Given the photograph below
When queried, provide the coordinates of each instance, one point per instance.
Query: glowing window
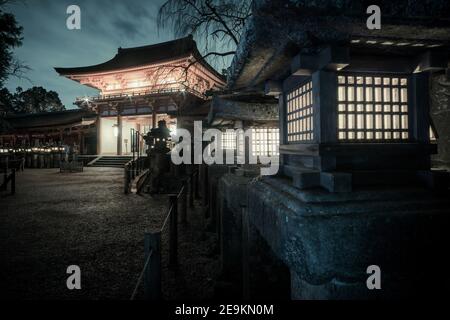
(372, 108)
(300, 114)
(229, 140)
(265, 141)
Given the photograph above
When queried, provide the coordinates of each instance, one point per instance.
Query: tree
(37, 99)
(216, 24)
(6, 107)
(33, 100)
(10, 38)
(6, 102)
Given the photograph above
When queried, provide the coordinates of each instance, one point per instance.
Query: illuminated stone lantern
(355, 187)
(352, 119)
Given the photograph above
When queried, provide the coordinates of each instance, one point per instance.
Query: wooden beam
(356, 149)
(432, 61)
(273, 88)
(380, 63)
(306, 149)
(331, 58)
(304, 64)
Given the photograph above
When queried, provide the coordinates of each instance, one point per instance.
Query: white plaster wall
(126, 127)
(108, 141)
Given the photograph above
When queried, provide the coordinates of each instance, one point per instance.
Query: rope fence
(141, 276)
(151, 272)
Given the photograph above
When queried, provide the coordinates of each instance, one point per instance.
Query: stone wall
(440, 114)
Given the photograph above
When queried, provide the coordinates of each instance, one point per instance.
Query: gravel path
(56, 220)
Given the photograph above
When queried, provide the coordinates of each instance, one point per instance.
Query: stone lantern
(355, 120)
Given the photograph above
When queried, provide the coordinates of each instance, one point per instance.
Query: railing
(141, 93)
(137, 164)
(151, 273)
(9, 169)
(133, 169)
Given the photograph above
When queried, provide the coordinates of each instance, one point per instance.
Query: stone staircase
(110, 161)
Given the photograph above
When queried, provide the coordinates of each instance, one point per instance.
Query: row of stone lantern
(36, 157)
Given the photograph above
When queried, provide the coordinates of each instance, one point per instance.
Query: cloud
(105, 26)
(127, 28)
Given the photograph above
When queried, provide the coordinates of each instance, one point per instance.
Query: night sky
(105, 26)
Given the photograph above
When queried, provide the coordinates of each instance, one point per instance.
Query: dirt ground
(56, 220)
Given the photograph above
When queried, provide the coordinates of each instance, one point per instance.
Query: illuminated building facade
(142, 85)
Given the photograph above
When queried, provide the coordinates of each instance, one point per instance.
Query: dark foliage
(10, 38)
(33, 100)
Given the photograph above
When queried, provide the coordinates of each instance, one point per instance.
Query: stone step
(111, 161)
(302, 178)
(107, 166)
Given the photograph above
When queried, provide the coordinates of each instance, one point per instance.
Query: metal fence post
(173, 237)
(205, 191)
(152, 274)
(196, 193)
(13, 181)
(127, 179)
(5, 175)
(184, 202)
(191, 191)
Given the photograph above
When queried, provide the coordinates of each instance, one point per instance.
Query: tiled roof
(48, 119)
(141, 56)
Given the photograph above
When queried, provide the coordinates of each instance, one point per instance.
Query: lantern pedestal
(329, 240)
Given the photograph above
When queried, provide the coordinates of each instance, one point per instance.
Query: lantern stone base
(305, 179)
(324, 242)
(340, 167)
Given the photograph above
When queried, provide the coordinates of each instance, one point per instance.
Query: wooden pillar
(419, 118)
(324, 85)
(154, 117)
(81, 141)
(99, 133)
(119, 136)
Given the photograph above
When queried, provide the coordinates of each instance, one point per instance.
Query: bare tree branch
(222, 22)
(19, 70)
(215, 24)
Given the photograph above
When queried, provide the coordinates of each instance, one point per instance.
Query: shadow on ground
(56, 220)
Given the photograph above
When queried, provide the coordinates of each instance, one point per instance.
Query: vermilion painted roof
(141, 56)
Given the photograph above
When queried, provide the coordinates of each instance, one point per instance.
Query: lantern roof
(278, 30)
